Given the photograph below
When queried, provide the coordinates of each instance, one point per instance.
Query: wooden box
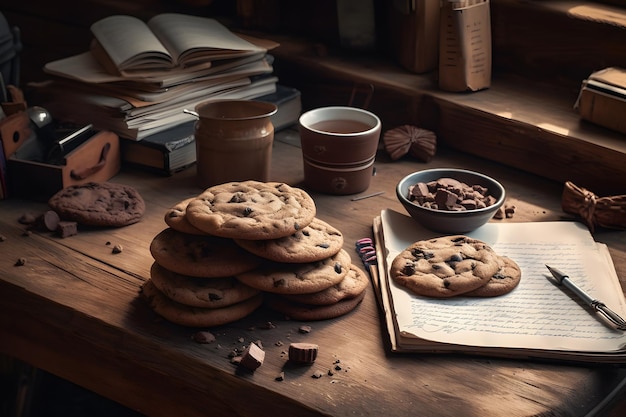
(97, 159)
(602, 98)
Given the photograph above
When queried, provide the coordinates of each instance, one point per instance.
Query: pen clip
(609, 314)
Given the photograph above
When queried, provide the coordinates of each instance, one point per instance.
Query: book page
(194, 39)
(537, 314)
(130, 43)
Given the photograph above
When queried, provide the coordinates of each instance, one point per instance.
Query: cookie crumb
(27, 218)
(203, 337)
(117, 249)
(304, 329)
(280, 377)
(317, 374)
(20, 262)
(3, 238)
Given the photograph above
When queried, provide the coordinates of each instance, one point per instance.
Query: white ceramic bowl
(451, 222)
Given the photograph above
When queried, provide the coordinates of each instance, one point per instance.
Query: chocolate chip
(247, 211)
(455, 258)
(338, 268)
(409, 269)
(214, 297)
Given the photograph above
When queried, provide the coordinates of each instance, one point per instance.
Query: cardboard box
(602, 99)
(414, 33)
(97, 159)
(465, 46)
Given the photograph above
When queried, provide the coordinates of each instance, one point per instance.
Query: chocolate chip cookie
(200, 292)
(195, 316)
(282, 278)
(353, 284)
(104, 204)
(200, 255)
(446, 266)
(251, 210)
(315, 242)
(309, 312)
(176, 218)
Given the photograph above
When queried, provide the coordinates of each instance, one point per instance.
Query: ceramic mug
(233, 141)
(339, 147)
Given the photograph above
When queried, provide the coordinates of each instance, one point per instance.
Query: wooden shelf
(518, 122)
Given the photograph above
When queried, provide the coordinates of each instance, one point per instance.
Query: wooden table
(74, 309)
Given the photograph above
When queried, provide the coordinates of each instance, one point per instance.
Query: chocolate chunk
(303, 352)
(48, 221)
(66, 229)
(252, 357)
(445, 198)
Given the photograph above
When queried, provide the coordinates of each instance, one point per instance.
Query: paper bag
(465, 45)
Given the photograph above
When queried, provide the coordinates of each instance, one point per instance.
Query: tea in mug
(341, 126)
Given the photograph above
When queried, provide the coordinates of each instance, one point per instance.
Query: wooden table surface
(74, 309)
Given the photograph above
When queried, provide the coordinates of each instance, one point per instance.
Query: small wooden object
(98, 159)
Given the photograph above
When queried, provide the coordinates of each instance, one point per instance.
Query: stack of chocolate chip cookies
(238, 244)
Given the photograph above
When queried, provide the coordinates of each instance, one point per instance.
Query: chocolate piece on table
(252, 357)
(66, 229)
(303, 352)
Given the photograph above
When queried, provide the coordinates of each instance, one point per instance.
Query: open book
(170, 40)
(538, 319)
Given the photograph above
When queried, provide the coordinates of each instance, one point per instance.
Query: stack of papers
(137, 78)
(538, 319)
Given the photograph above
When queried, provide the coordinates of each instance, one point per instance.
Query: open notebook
(538, 319)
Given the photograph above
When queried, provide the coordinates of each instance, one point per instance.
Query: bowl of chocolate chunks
(450, 200)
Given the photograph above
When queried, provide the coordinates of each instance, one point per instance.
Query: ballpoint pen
(597, 305)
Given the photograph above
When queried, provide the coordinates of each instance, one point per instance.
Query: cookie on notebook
(315, 242)
(353, 284)
(195, 316)
(200, 292)
(200, 255)
(251, 210)
(176, 219)
(502, 282)
(308, 312)
(445, 266)
(99, 204)
(283, 278)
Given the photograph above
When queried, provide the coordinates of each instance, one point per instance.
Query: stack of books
(137, 77)
(174, 149)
